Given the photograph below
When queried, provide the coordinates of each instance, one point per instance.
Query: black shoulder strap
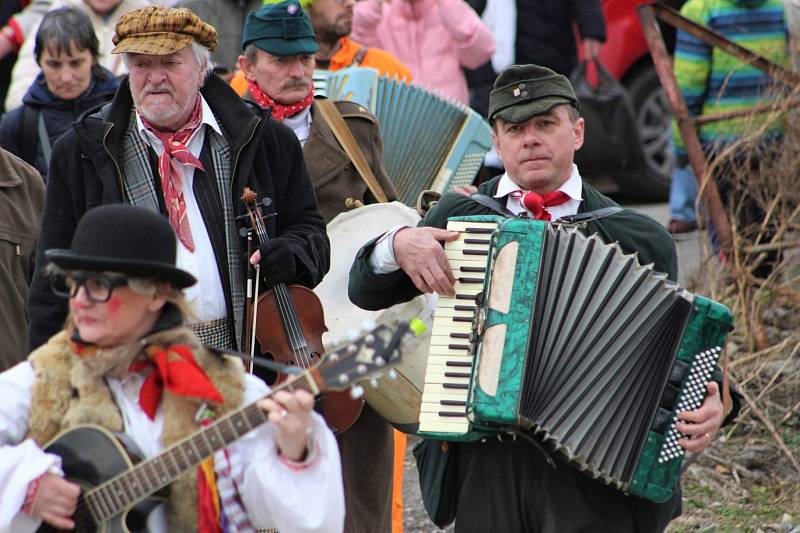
(490, 203)
(30, 120)
(589, 216)
(359, 57)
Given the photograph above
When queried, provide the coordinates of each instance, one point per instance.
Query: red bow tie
(536, 203)
(175, 368)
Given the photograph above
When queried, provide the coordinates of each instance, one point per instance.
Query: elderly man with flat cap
(507, 485)
(278, 62)
(177, 140)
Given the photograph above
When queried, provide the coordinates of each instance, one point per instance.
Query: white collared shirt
(300, 124)
(206, 297)
(382, 257)
(573, 188)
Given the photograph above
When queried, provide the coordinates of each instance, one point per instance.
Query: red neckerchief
(174, 367)
(174, 154)
(536, 203)
(279, 111)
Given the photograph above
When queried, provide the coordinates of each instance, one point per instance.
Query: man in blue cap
(278, 62)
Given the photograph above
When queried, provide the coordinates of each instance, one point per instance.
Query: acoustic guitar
(118, 494)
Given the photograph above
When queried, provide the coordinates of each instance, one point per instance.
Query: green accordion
(567, 339)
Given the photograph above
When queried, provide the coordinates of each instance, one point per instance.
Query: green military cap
(282, 29)
(523, 91)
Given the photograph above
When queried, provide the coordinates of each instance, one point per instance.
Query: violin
(290, 337)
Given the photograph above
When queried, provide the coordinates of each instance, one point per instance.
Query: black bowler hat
(126, 239)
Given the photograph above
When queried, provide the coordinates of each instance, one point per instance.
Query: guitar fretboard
(118, 493)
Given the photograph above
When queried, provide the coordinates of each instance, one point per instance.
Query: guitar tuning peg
(352, 334)
(374, 383)
(356, 391)
(369, 325)
(392, 374)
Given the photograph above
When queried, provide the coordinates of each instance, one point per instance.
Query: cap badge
(516, 92)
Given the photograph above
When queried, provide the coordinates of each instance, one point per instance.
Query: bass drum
(397, 400)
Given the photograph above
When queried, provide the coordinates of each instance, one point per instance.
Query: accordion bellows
(429, 142)
(581, 347)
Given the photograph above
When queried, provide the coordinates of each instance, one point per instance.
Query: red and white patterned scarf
(174, 154)
(279, 111)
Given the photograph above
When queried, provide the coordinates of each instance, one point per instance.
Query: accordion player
(508, 485)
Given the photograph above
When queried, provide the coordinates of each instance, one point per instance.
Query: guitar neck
(117, 494)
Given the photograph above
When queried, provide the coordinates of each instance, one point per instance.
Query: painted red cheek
(114, 303)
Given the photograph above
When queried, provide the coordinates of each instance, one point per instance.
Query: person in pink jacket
(434, 38)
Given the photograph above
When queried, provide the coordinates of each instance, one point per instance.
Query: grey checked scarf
(139, 190)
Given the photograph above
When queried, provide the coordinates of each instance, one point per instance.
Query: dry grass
(749, 479)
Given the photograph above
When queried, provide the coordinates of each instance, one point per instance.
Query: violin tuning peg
(356, 391)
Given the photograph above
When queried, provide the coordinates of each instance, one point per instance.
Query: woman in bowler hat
(125, 362)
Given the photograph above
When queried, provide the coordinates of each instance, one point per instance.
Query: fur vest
(71, 391)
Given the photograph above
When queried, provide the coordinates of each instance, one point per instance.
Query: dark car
(626, 56)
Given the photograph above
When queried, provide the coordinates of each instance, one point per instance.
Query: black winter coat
(544, 31)
(58, 116)
(265, 155)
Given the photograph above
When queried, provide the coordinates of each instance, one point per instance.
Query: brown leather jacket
(21, 202)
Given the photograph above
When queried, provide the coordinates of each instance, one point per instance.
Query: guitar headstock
(369, 355)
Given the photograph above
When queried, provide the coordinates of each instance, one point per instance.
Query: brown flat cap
(158, 30)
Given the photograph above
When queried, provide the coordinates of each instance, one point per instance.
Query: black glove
(277, 262)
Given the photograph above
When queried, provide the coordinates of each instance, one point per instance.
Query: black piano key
(470, 280)
(458, 346)
(456, 403)
(451, 414)
(456, 374)
(484, 231)
(474, 269)
(477, 241)
(461, 386)
(475, 252)
(465, 307)
(462, 364)
(462, 319)
(460, 335)
(472, 297)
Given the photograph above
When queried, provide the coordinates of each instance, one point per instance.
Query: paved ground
(415, 520)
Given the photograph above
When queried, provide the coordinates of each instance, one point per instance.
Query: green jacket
(633, 231)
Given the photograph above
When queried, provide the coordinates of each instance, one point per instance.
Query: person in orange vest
(332, 21)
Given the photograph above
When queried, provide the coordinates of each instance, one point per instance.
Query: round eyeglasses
(98, 287)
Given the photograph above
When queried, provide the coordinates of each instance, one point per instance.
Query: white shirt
(300, 124)
(206, 297)
(274, 495)
(573, 188)
(382, 258)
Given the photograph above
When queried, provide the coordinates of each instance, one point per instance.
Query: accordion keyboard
(449, 367)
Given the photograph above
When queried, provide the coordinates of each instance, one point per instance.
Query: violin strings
(282, 298)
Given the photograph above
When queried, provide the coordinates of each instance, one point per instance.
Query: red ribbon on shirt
(536, 203)
(175, 368)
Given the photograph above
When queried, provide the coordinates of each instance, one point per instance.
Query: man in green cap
(278, 62)
(507, 485)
